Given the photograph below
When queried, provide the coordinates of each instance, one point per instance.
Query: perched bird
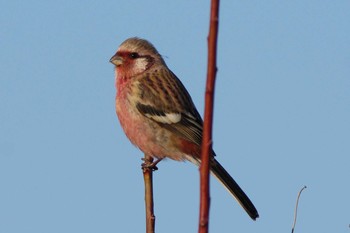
(157, 113)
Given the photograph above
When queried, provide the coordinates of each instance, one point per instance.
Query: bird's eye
(134, 55)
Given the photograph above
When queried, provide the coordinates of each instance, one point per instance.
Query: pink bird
(157, 113)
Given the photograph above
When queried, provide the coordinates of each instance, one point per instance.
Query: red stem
(208, 119)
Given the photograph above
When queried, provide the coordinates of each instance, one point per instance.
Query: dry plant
(208, 118)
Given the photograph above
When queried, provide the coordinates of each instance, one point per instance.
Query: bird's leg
(149, 164)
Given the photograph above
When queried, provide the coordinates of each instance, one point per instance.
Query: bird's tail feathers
(230, 184)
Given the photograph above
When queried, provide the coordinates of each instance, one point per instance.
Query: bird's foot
(148, 164)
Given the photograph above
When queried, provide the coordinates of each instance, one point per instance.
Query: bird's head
(134, 56)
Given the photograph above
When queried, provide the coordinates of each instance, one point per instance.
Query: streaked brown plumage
(158, 114)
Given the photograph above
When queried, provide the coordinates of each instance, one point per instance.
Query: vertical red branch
(208, 118)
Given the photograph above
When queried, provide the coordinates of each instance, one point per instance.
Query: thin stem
(148, 180)
(208, 119)
(296, 209)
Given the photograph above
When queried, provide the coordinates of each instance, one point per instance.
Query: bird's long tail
(230, 184)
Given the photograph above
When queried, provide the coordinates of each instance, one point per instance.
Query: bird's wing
(183, 124)
(164, 99)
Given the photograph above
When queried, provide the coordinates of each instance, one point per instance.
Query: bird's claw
(148, 164)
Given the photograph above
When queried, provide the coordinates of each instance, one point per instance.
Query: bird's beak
(116, 60)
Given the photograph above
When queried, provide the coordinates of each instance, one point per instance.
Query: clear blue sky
(282, 115)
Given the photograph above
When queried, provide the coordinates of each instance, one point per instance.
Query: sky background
(282, 115)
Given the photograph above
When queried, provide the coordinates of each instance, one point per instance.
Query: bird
(158, 115)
